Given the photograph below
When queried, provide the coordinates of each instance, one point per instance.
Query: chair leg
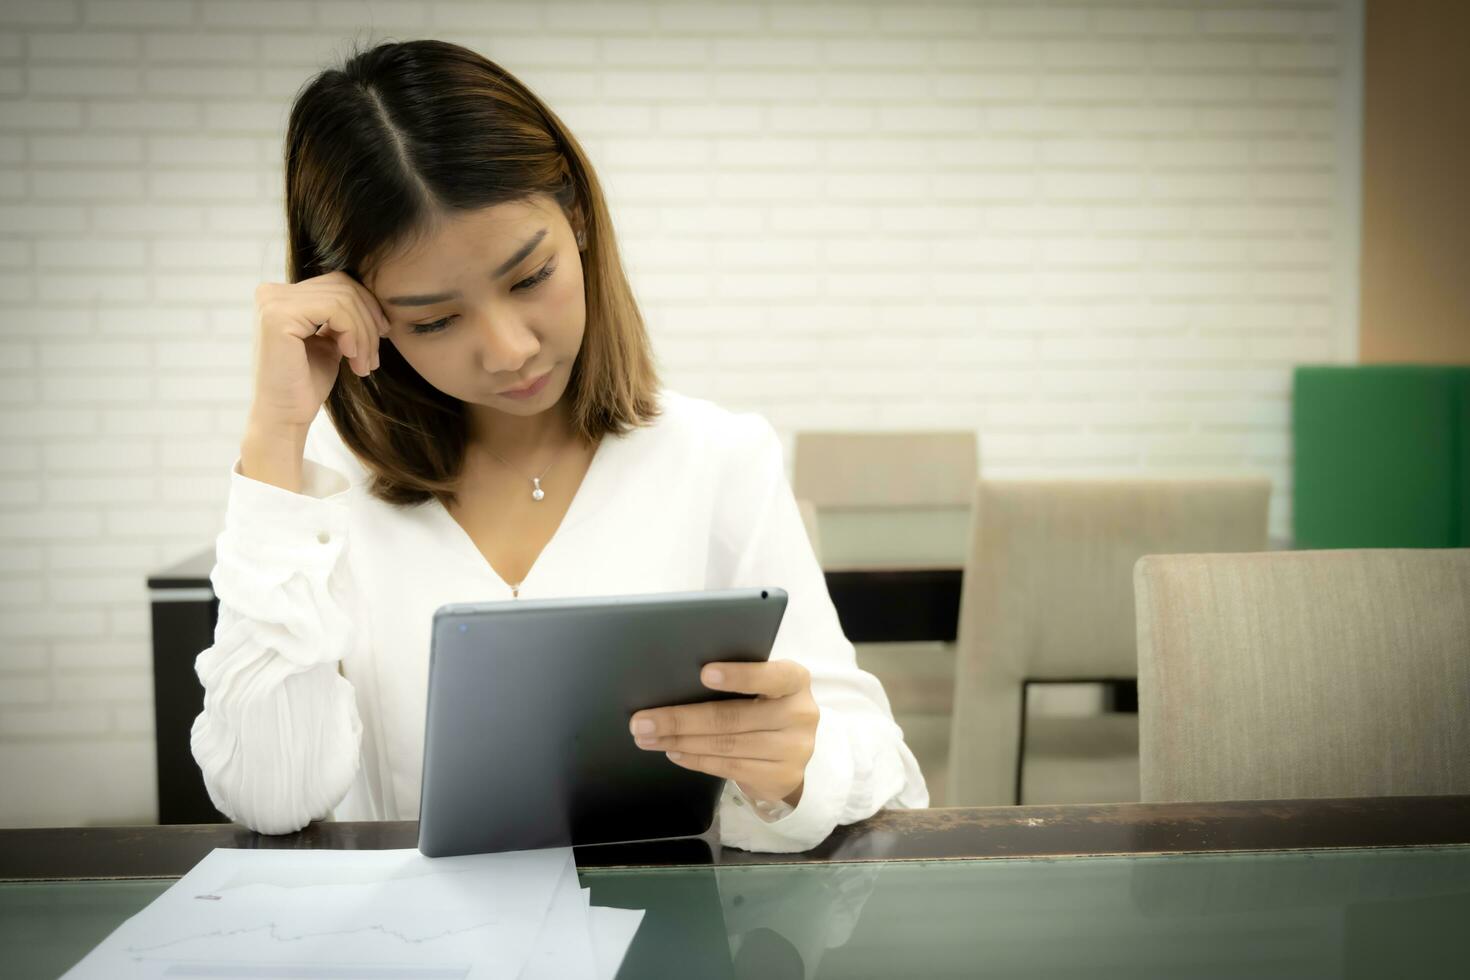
(1121, 697)
(1021, 740)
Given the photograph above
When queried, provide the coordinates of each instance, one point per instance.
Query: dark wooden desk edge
(73, 853)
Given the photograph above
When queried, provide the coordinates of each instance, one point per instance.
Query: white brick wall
(1100, 231)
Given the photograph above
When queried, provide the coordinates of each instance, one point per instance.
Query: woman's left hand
(762, 743)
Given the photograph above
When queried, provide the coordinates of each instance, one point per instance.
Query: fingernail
(713, 676)
(645, 741)
(642, 727)
(676, 756)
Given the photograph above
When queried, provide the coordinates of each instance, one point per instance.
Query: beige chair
(1304, 674)
(891, 500)
(1048, 596)
(887, 499)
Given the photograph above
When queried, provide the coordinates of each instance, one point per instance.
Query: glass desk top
(1358, 912)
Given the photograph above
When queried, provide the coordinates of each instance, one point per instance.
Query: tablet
(526, 740)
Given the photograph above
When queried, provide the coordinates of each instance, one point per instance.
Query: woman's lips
(533, 389)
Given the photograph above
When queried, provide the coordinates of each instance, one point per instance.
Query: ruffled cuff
(275, 560)
(264, 519)
(828, 781)
(320, 488)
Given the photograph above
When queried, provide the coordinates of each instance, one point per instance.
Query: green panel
(1380, 456)
(1462, 453)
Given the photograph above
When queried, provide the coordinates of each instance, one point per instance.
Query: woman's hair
(378, 151)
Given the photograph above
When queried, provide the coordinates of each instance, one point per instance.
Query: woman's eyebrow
(509, 264)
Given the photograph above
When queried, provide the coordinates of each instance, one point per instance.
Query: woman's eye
(431, 327)
(530, 282)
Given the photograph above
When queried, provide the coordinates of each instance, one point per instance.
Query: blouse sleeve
(278, 740)
(860, 763)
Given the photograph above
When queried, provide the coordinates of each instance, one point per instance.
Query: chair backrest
(888, 498)
(1048, 595)
(1304, 674)
(885, 469)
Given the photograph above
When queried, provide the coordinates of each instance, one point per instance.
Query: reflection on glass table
(1398, 912)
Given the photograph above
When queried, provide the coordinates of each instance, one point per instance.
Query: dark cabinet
(184, 613)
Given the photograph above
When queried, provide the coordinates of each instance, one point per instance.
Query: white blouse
(316, 685)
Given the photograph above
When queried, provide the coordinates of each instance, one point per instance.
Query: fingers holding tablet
(772, 678)
(764, 742)
(767, 746)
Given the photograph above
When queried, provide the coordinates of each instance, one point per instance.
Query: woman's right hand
(296, 358)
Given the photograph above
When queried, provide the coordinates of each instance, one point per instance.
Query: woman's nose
(507, 346)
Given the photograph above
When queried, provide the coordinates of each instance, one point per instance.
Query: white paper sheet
(579, 940)
(564, 945)
(362, 915)
(612, 934)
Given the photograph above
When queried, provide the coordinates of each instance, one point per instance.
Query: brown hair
(377, 150)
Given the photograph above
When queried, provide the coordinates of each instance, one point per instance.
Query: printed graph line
(338, 879)
(307, 971)
(273, 932)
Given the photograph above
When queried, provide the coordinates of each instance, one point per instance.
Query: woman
(493, 429)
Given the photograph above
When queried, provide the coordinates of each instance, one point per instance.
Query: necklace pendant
(537, 493)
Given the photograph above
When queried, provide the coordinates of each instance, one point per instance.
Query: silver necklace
(537, 493)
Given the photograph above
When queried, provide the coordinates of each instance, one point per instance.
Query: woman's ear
(571, 205)
(579, 227)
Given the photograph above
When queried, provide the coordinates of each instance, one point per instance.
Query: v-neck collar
(574, 514)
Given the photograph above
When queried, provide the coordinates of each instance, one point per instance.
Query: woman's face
(491, 302)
